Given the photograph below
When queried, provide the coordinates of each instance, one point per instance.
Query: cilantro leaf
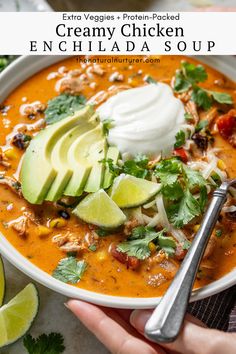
(201, 98)
(69, 270)
(183, 212)
(63, 106)
(137, 167)
(113, 168)
(180, 139)
(107, 124)
(181, 84)
(203, 198)
(137, 245)
(167, 244)
(194, 178)
(138, 248)
(221, 97)
(194, 73)
(201, 125)
(188, 75)
(168, 170)
(172, 191)
(52, 343)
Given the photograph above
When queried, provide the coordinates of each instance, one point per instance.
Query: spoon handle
(165, 323)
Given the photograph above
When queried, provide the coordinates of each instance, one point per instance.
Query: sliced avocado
(113, 154)
(97, 154)
(82, 156)
(60, 161)
(37, 172)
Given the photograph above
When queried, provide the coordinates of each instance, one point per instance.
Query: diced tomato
(227, 124)
(180, 152)
(131, 262)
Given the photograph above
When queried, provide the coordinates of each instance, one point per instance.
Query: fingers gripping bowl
(115, 205)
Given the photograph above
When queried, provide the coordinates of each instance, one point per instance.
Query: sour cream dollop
(145, 119)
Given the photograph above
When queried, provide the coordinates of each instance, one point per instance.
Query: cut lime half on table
(17, 316)
(2, 282)
(129, 191)
(99, 209)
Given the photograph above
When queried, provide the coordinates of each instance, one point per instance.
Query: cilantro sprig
(179, 182)
(137, 245)
(63, 106)
(180, 139)
(188, 77)
(137, 167)
(69, 270)
(52, 343)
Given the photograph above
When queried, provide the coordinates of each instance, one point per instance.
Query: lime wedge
(128, 191)
(17, 316)
(99, 209)
(2, 282)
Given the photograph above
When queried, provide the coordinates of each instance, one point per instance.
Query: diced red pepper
(227, 124)
(180, 152)
(131, 262)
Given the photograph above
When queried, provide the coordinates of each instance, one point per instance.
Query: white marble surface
(53, 316)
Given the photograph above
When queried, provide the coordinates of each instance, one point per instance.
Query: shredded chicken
(71, 85)
(210, 247)
(74, 242)
(20, 225)
(32, 109)
(12, 184)
(3, 160)
(130, 225)
(191, 108)
(116, 76)
(185, 96)
(102, 96)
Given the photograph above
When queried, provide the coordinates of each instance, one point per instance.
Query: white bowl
(14, 75)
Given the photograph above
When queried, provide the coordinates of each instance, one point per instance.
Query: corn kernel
(43, 231)
(57, 223)
(101, 256)
(10, 154)
(152, 247)
(221, 165)
(196, 227)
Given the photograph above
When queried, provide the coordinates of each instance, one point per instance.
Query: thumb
(194, 337)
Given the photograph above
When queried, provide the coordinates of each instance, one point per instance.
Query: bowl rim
(17, 72)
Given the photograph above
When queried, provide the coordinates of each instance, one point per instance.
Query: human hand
(121, 331)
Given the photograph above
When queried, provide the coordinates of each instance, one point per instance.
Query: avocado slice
(83, 156)
(97, 154)
(37, 171)
(59, 158)
(113, 154)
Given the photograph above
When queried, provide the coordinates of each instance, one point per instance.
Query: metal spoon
(165, 323)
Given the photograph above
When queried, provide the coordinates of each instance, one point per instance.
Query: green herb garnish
(188, 77)
(69, 270)
(63, 106)
(180, 139)
(137, 245)
(137, 167)
(52, 343)
(178, 182)
(218, 233)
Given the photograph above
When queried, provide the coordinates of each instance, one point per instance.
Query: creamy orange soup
(105, 273)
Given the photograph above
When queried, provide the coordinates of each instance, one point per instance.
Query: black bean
(200, 140)
(64, 214)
